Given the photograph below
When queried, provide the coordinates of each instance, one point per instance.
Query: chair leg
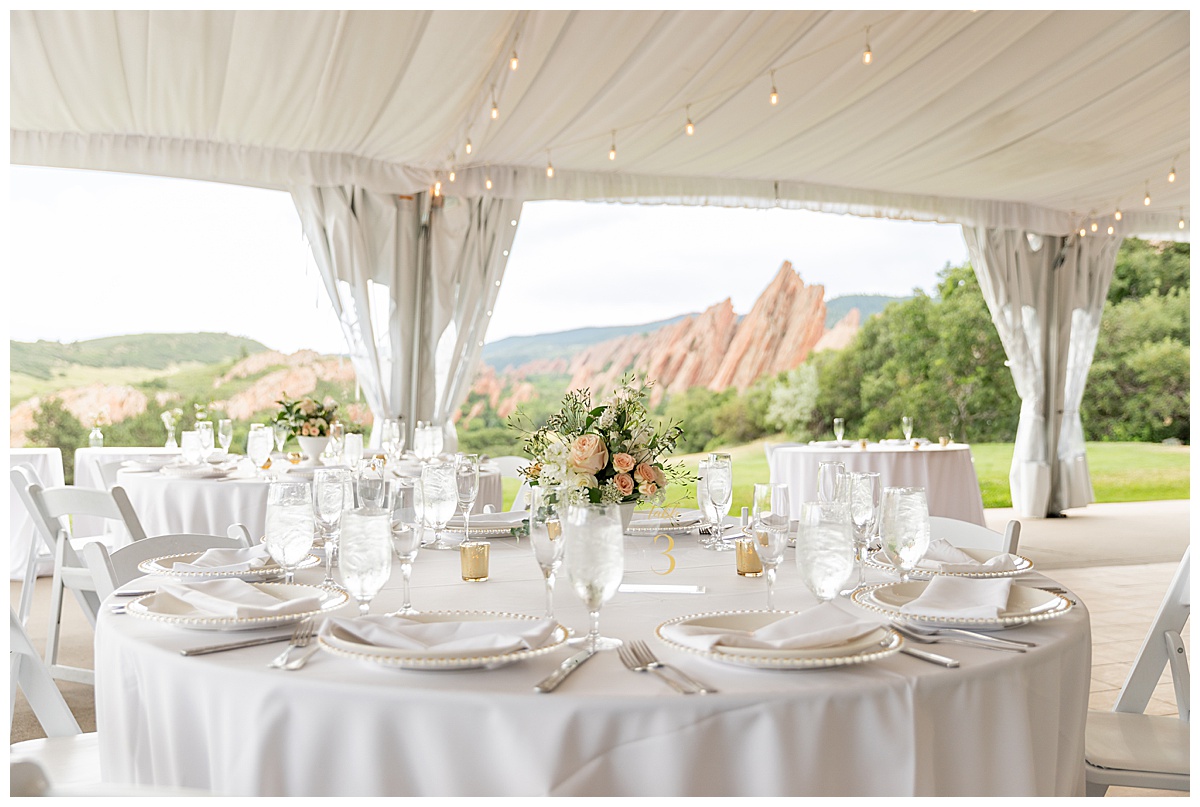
(56, 602)
(1096, 789)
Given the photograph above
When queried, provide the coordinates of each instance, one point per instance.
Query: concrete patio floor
(1118, 558)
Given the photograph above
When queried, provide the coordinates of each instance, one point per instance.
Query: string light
(1146, 201)
(691, 127)
(1181, 221)
(549, 166)
(469, 148)
(867, 55)
(1110, 229)
(612, 151)
(1095, 226)
(452, 175)
(1171, 176)
(495, 108)
(512, 63)
(1082, 232)
(1117, 215)
(487, 176)
(774, 92)
(437, 187)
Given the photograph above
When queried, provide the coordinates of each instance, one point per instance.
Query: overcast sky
(97, 254)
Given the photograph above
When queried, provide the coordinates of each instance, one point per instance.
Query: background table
(947, 474)
(1002, 724)
(48, 464)
(87, 473)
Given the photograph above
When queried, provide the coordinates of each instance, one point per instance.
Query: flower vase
(171, 439)
(626, 509)
(96, 438)
(312, 447)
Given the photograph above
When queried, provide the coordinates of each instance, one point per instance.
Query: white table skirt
(1002, 724)
(87, 473)
(947, 474)
(166, 504)
(48, 464)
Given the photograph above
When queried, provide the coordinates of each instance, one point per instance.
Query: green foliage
(792, 400)
(55, 427)
(1146, 268)
(697, 409)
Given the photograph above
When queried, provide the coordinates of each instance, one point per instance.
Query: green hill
(868, 305)
(154, 351)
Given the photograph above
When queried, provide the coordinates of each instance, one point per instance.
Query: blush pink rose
(647, 488)
(660, 478)
(644, 472)
(588, 454)
(624, 482)
(623, 463)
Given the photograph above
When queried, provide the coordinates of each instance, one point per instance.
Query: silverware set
(637, 656)
(301, 638)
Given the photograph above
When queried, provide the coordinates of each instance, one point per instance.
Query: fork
(630, 661)
(983, 637)
(301, 636)
(933, 638)
(642, 652)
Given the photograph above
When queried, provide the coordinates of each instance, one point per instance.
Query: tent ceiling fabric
(1023, 119)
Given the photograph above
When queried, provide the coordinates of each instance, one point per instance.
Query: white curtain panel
(1045, 295)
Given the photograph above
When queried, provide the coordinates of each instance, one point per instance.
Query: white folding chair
(111, 570)
(1127, 747)
(968, 535)
(108, 472)
(50, 510)
(521, 500)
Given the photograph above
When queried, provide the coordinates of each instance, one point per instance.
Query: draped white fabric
(1045, 295)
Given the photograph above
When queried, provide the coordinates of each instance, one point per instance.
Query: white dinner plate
(195, 471)
(149, 463)
(1025, 604)
(879, 560)
(165, 566)
(875, 644)
(186, 617)
(341, 644)
(681, 523)
(485, 532)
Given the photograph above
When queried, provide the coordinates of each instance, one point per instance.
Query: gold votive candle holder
(862, 444)
(474, 558)
(748, 562)
(944, 441)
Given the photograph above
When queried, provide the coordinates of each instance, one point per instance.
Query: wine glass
(718, 482)
(421, 441)
(839, 428)
(406, 533)
(825, 549)
(289, 528)
(466, 477)
(189, 442)
(392, 440)
(352, 450)
(281, 431)
(865, 498)
(331, 495)
(904, 527)
(831, 481)
(770, 521)
(225, 433)
(545, 533)
(204, 431)
(365, 556)
(906, 423)
(439, 500)
(258, 446)
(337, 440)
(372, 483)
(595, 559)
(436, 440)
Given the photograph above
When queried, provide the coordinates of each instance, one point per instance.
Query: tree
(793, 399)
(55, 427)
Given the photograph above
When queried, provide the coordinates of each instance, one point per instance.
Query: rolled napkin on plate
(961, 598)
(228, 597)
(824, 625)
(488, 636)
(512, 518)
(227, 560)
(943, 556)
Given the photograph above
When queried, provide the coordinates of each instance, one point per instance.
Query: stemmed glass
(258, 446)
(421, 441)
(906, 423)
(204, 431)
(392, 440)
(406, 533)
(831, 481)
(337, 440)
(839, 428)
(365, 559)
(865, 499)
(718, 483)
(545, 533)
(372, 483)
(225, 433)
(352, 449)
(466, 478)
(595, 559)
(439, 500)
(331, 494)
(825, 550)
(904, 527)
(289, 527)
(436, 440)
(189, 443)
(771, 519)
(281, 431)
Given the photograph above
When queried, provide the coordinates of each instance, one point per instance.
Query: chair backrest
(27, 671)
(51, 508)
(509, 465)
(968, 535)
(110, 570)
(108, 472)
(521, 500)
(1161, 646)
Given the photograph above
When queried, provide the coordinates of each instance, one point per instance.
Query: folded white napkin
(511, 518)
(244, 469)
(200, 471)
(228, 598)
(961, 598)
(227, 560)
(485, 636)
(684, 518)
(821, 626)
(944, 556)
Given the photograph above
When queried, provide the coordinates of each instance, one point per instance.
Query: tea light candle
(748, 562)
(474, 558)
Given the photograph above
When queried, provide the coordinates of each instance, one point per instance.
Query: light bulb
(1118, 214)
(487, 183)
(452, 175)
(867, 56)
(691, 127)
(1095, 226)
(437, 188)
(469, 147)
(612, 151)
(512, 63)
(1082, 232)
(1171, 176)
(774, 97)
(1146, 201)
(1110, 229)
(549, 167)
(1181, 224)
(495, 111)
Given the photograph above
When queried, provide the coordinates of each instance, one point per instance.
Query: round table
(170, 504)
(48, 464)
(1002, 724)
(88, 462)
(947, 473)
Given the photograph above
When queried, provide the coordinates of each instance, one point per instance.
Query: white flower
(556, 452)
(578, 480)
(552, 473)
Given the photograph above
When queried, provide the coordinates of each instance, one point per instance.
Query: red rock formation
(842, 333)
(84, 403)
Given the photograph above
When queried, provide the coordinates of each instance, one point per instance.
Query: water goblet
(258, 446)
(466, 478)
(719, 492)
(770, 521)
(594, 556)
(439, 500)
(289, 525)
(839, 428)
(865, 499)
(906, 425)
(189, 442)
(904, 527)
(421, 441)
(831, 481)
(406, 533)
(436, 440)
(825, 550)
(331, 496)
(372, 483)
(365, 557)
(352, 450)
(545, 533)
(225, 433)
(281, 431)
(204, 431)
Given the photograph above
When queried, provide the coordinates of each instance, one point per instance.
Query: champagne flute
(839, 428)
(439, 501)
(466, 477)
(824, 549)
(258, 447)
(189, 442)
(831, 481)
(225, 433)
(331, 495)
(204, 431)
(906, 423)
(719, 487)
(365, 560)
(337, 440)
(406, 533)
(595, 559)
(545, 533)
(770, 521)
(904, 526)
(289, 528)
(865, 500)
(281, 431)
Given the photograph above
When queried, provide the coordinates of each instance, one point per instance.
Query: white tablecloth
(48, 464)
(87, 473)
(1002, 724)
(167, 504)
(947, 474)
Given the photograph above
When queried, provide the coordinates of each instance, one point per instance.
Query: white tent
(1024, 127)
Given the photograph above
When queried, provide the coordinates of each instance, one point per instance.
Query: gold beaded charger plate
(880, 560)
(1026, 604)
(165, 566)
(180, 614)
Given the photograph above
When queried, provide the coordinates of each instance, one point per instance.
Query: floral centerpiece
(170, 419)
(306, 417)
(607, 454)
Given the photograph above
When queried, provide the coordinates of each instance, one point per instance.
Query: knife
(933, 658)
(566, 668)
(217, 648)
(660, 588)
